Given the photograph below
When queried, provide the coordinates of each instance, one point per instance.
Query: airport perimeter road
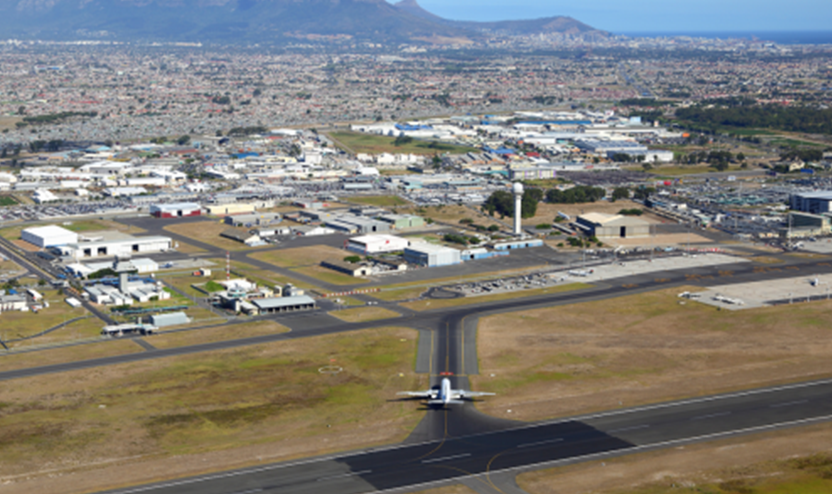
(418, 466)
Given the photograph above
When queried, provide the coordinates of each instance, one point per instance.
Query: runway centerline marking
(550, 441)
(710, 416)
(343, 475)
(625, 429)
(789, 404)
(250, 491)
(446, 458)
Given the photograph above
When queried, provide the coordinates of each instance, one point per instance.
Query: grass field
(643, 349)
(364, 314)
(8, 201)
(450, 214)
(228, 407)
(680, 170)
(15, 324)
(421, 305)
(329, 276)
(301, 256)
(173, 339)
(25, 360)
(207, 232)
(380, 201)
(374, 144)
(795, 461)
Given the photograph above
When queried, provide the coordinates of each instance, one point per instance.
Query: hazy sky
(651, 15)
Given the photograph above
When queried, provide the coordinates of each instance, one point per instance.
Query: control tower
(517, 190)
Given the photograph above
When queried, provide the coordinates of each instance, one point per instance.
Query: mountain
(546, 25)
(252, 21)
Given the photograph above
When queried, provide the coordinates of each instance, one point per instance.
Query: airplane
(443, 395)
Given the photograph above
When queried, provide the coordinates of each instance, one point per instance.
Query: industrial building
(49, 236)
(603, 225)
(284, 304)
(533, 173)
(113, 248)
(402, 221)
(249, 220)
(233, 208)
(517, 244)
(242, 235)
(356, 224)
(170, 319)
(811, 202)
(429, 255)
(140, 266)
(12, 302)
(806, 225)
(348, 268)
(375, 244)
(177, 210)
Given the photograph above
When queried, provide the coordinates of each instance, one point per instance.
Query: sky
(628, 16)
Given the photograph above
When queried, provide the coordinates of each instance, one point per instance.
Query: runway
(427, 464)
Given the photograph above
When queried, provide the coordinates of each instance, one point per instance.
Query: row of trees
(576, 195)
(778, 117)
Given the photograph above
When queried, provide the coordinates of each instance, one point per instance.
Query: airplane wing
(449, 402)
(420, 394)
(462, 393)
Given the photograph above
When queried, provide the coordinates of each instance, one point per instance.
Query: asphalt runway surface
(462, 452)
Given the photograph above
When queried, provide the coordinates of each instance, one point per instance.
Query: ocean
(780, 37)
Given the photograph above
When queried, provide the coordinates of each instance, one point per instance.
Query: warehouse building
(113, 248)
(375, 244)
(806, 225)
(233, 208)
(429, 255)
(243, 236)
(402, 221)
(177, 210)
(612, 225)
(347, 268)
(49, 236)
(171, 319)
(283, 304)
(249, 220)
(811, 202)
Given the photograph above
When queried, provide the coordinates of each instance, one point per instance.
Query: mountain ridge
(246, 21)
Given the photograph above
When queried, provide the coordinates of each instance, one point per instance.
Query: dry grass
(12, 361)
(210, 335)
(15, 324)
(185, 248)
(379, 201)
(329, 276)
(642, 349)
(364, 314)
(301, 256)
(262, 277)
(772, 463)
(210, 411)
(421, 305)
(450, 214)
(207, 232)
(9, 122)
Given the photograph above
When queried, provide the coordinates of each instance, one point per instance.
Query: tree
(41, 282)
(402, 140)
(575, 195)
(620, 193)
(740, 157)
(183, 140)
(21, 110)
(642, 193)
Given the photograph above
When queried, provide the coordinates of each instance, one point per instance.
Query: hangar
(176, 210)
(113, 248)
(49, 236)
(424, 254)
(284, 304)
(603, 225)
(374, 244)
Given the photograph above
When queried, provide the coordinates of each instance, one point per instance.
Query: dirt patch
(211, 411)
(364, 314)
(755, 464)
(329, 276)
(641, 349)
